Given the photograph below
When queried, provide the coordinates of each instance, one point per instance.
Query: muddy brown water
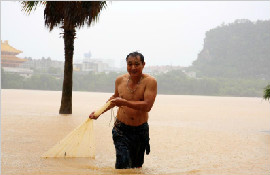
(189, 135)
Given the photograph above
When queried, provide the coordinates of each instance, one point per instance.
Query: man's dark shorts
(130, 144)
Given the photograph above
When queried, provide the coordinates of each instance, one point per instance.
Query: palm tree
(67, 15)
(266, 94)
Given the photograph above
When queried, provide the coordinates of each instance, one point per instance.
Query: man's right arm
(115, 95)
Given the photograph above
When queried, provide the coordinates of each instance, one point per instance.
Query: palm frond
(73, 13)
(29, 6)
(91, 12)
(266, 94)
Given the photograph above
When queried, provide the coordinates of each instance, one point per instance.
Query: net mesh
(78, 143)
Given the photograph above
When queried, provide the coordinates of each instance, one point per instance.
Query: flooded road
(188, 135)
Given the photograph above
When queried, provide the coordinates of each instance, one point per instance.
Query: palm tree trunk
(66, 101)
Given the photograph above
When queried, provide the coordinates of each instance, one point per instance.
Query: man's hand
(92, 116)
(119, 101)
(112, 97)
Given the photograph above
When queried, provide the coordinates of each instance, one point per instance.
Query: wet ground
(189, 135)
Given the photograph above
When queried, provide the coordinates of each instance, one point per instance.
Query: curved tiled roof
(5, 47)
(11, 58)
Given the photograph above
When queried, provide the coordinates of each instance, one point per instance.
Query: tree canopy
(240, 49)
(266, 94)
(67, 15)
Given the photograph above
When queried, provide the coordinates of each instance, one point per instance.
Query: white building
(42, 64)
(24, 72)
(97, 65)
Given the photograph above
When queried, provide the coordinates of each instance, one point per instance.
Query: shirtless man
(135, 95)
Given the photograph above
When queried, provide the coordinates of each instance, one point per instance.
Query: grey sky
(167, 33)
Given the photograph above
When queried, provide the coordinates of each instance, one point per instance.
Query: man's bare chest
(128, 94)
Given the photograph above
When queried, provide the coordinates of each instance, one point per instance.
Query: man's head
(136, 54)
(135, 63)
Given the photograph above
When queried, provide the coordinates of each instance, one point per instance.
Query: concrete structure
(97, 65)
(89, 66)
(26, 73)
(42, 64)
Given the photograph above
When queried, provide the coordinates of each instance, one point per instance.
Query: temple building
(9, 56)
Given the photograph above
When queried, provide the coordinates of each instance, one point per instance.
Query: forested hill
(236, 50)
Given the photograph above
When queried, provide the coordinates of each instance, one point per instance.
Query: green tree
(266, 94)
(67, 15)
(240, 49)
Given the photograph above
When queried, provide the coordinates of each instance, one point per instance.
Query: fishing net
(78, 143)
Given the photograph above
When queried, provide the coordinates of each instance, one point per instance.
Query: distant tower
(88, 55)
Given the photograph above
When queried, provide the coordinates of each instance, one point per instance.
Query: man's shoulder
(151, 84)
(121, 78)
(150, 78)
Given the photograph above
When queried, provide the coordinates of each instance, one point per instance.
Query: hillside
(236, 50)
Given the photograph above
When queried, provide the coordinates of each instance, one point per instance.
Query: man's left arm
(145, 105)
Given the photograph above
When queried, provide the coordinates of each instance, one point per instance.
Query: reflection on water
(189, 135)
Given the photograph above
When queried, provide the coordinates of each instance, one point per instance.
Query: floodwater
(189, 135)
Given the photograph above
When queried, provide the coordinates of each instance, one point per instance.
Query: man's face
(134, 66)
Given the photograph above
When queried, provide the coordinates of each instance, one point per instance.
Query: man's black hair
(135, 54)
